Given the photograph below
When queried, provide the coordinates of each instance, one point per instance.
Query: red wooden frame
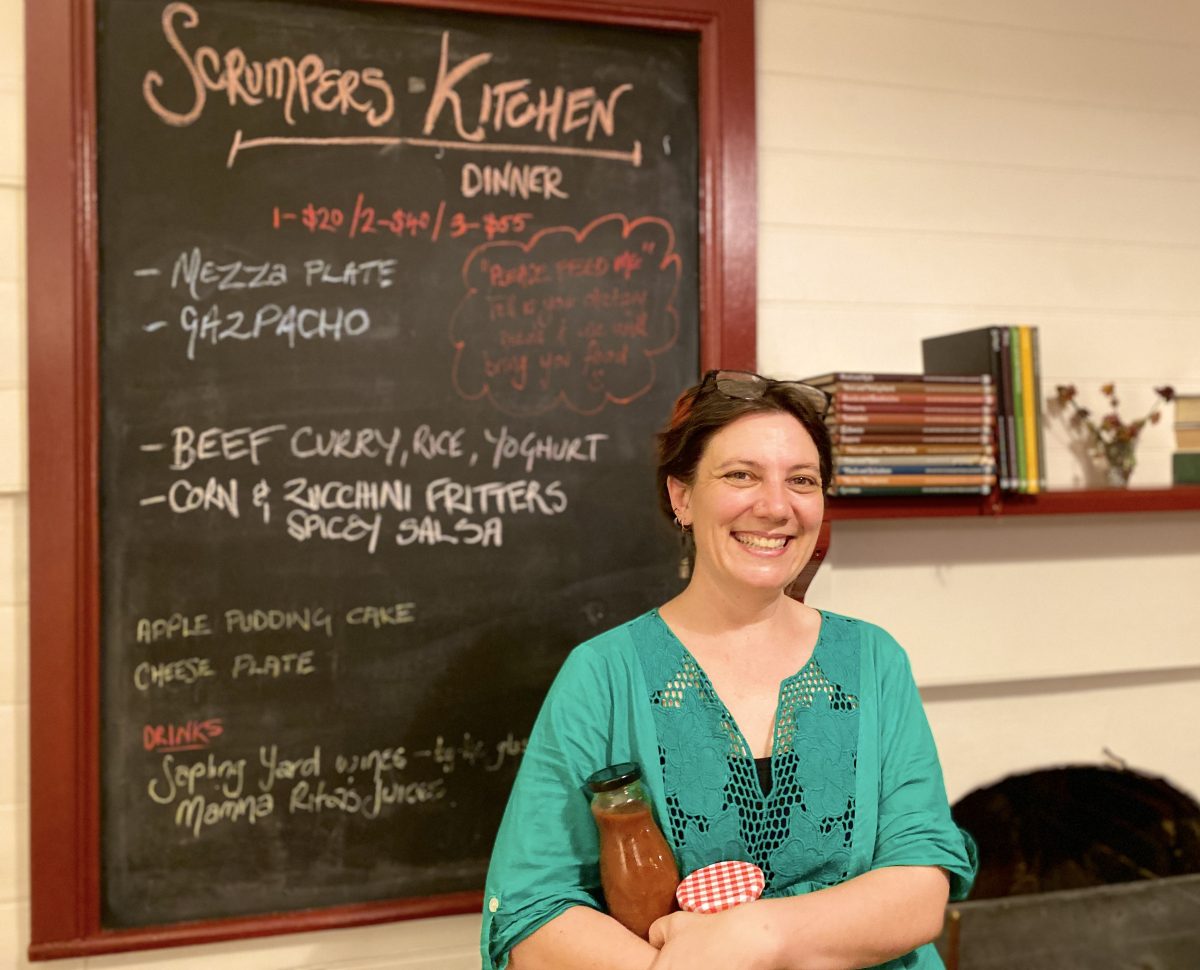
(64, 416)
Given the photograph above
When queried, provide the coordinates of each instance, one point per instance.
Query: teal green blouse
(856, 779)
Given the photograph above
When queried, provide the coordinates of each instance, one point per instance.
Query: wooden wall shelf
(1180, 498)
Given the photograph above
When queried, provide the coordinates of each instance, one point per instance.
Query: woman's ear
(681, 498)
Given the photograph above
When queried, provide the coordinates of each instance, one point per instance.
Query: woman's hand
(716, 941)
(862, 922)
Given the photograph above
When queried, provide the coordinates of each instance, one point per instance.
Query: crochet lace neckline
(810, 666)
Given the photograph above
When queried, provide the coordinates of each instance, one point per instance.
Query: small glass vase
(1121, 459)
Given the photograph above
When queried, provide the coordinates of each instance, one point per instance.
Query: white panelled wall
(925, 166)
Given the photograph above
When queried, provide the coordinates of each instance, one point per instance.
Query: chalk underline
(240, 144)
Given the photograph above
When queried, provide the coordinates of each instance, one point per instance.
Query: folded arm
(582, 939)
(865, 921)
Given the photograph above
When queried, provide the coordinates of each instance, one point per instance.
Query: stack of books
(1185, 462)
(1009, 356)
(911, 434)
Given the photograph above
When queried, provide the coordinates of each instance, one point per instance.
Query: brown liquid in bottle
(637, 870)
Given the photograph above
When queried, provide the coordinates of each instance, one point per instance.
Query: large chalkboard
(391, 302)
(350, 325)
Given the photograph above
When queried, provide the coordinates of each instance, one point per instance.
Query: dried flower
(1111, 427)
(1111, 437)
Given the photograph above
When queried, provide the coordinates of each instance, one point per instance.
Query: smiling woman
(768, 733)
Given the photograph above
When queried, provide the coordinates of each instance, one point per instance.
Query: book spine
(910, 438)
(964, 460)
(1038, 399)
(892, 448)
(1014, 371)
(889, 490)
(1030, 399)
(1185, 468)
(978, 469)
(1187, 409)
(926, 379)
(841, 405)
(912, 418)
(973, 391)
(973, 401)
(914, 480)
(996, 338)
(934, 432)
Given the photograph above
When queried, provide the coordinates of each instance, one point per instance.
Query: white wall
(14, 587)
(926, 166)
(934, 165)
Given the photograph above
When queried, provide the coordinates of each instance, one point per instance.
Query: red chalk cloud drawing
(572, 317)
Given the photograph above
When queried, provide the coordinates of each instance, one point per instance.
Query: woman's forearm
(582, 939)
(864, 921)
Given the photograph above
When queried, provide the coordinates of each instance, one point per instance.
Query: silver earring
(685, 551)
(685, 554)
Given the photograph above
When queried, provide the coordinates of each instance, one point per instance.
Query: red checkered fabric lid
(720, 886)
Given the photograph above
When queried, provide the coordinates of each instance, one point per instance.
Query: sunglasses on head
(745, 385)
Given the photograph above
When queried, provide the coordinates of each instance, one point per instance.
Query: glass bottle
(637, 870)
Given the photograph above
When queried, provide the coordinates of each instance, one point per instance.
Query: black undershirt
(763, 767)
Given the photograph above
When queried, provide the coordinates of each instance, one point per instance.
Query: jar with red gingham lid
(720, 886)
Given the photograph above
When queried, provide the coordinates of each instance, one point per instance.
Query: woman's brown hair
(703, 410)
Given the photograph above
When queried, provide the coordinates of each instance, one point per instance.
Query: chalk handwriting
(392, 614)
(368, 272)
(429, 530)
(513, 180)
(189, 446)
(184, 496)
(202, 277)
(451, 496)
(358, 495)
(225, 776)
(306, 84)
(304, 620)
(319, 798)
(186, 671)
(377, 761)
(210, 791)
(199, 812)
(430, 443)
(533, 447)
(364, 218)
(491, 224)
(287, 768)
(240, 622)
(512, 105)
(273, 665)
(189, 736)
(474, 752)
(303, 526)
(154, 629)
(571, 317)
(308, 442)
(363, 511)
(290, 323)
(510, 747)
